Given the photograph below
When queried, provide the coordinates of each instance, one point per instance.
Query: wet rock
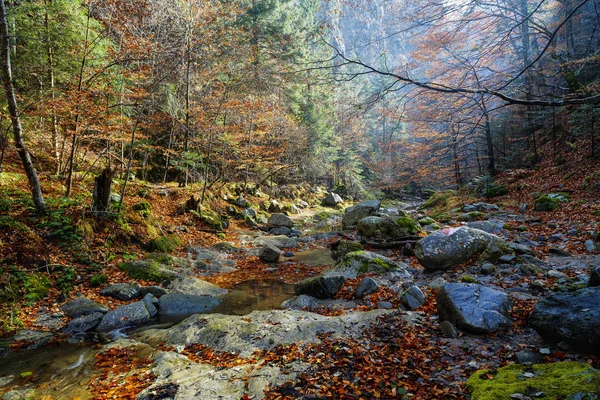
(573, 318)
(133, 314)
(83, 324)
(413, 298)
(299, 302)
(450, 247)
(474, 308)
(280, 220)
(175, 305)
(123, 291)
(151, 304)
(365, 287)
(595, 277)
(81, 306)
(320, 287)
(195, 286)
(36, 339)
(448, 329)
(359, 211)
(332, 200)
(437, 283)
(270, 253)
(528, 357)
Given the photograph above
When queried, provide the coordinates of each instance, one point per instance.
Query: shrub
(98, 280)
(143, 208)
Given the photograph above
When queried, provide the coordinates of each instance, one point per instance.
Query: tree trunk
(102, 186)
(488, 140)
(34, 183)
(53, 118)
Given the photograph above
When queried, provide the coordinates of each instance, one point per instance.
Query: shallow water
(314, 257)
(255, 295)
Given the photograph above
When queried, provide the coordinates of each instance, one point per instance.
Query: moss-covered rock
(148, 270)
(362, 262)
(495, 190)
(470, 216)
(143, 208)
(426, 221)
(442, 201)
(562, 380)
(344, 247)
(408, 225)
(210, 218)
(164, 244)
(550, 201)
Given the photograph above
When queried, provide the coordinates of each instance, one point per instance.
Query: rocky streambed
(426, 310)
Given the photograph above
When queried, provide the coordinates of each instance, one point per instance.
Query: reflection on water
(255, 295)
(314, 257)
(62, 371)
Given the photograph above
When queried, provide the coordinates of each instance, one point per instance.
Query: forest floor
(400, 354)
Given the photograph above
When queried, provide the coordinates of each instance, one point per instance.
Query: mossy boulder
(342, 248)
(353, 214)
(98, 280)
(164, 244)
(470, 216)
(562, 380)
(369, 226)
(149, 270)
(550, 201)
(143, 208)
(426, 221)
(361, 262)
(388, 227)
(320, 287)
(442, 201)
(210, 218)
(495, 190)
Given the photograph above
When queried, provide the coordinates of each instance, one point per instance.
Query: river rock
(490, 226)
(369, 226)
(281, 230)
(359, 211)
(281, 241)
(365, 287)
(413, 298)
(270, 253)
(332, 200)
(343, 247)
(133, 314)
(83, 324)
(388, 227)
(360, 262)
(320, 287)
(195, 286)
(241, 202)
(573, 318)
(123, 291)
(450, 247)
(280, 220)
(474, 308)
(156, 291)
(595, 277)
(175, 305)
(81, 306)
(299, 302)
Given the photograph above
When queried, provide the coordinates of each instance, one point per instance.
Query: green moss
(495, 190)
(385, 265)
(439, 200)
(471, 216)
(426, 221)
(550, 201)
(562, 380)
(346, 247)
(162, 258)
(409, 224)
(322, 216)
(596, 213)
(164, 244)
(210, 218)
(468, 279)
(143, 208)
(98, 280)
(36, 287)
(147, 270)
(7, 222)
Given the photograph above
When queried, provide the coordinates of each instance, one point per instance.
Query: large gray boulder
(133, 314)
(387, 227)
(84, 323)
(177, 305)
(123, 291)
(359, 211)
(81, 306)
(573, 318)
(447, 248)
(474, 308)
(320, 287)
(280, 220)
(332, 200)
(490, 226)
